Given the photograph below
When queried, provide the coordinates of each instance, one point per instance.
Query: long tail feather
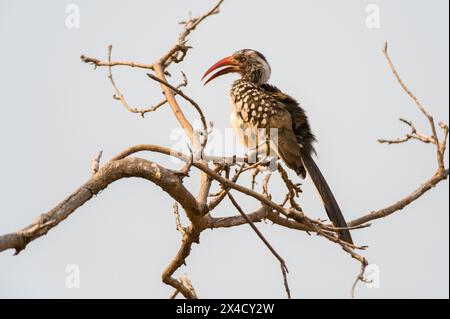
(331, 206)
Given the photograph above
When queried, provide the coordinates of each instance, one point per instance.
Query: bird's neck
(241, 85)
(252, 77)
(253, 81)
(256, 76)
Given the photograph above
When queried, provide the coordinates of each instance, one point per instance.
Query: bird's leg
(267, 136)
(257, 145)
(272, 163)
(255, 154)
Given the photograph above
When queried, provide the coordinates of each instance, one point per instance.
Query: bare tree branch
(170, 97)
(178, 52)
(435, 138)
(176, 213)
(98, 63)
(191, 236)
(425, 187)
(187, 98)
(284, 269)
(120, 97)
(441, 173)
(413, 135)
(360, 277)
(111, 172)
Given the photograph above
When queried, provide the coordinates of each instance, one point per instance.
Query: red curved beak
(231, 64)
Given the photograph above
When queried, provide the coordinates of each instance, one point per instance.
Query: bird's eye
(243, 59)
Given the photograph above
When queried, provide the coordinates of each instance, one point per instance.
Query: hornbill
(258, 106)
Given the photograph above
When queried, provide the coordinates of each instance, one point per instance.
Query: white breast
(240, 128)
(246, 118)
(245, 131)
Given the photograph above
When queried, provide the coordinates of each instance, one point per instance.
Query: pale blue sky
(57, 112)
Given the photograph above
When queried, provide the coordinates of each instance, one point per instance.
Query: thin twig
(359, 277)
(120, 97)
(97, 63)
(191, 101)
(284, 269)
(440, 175)
(440, 155)
(176, 213)
(191, 236)
(293, 189)
(173, 55)
(95, 162)
(413, 135)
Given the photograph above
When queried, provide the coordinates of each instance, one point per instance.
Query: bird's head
(250, 64)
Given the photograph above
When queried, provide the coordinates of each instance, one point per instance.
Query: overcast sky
(57, 113)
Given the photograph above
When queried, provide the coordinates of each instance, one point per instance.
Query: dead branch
(98, 63)
(111, 172)
(413, 135)
(425, 187)
(187, 98)
(192, 235)
(441, 172)
(178, 52)
(360, 277)
(434, 136)
(176, 213)
(120, 97)
(284, 269)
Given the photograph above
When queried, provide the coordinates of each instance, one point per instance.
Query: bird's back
(300, 122)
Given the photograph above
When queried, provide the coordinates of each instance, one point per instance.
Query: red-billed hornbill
(258, 106)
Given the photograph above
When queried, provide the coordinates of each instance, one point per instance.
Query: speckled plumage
(259, 108)
(252, 104)
(256, 107)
